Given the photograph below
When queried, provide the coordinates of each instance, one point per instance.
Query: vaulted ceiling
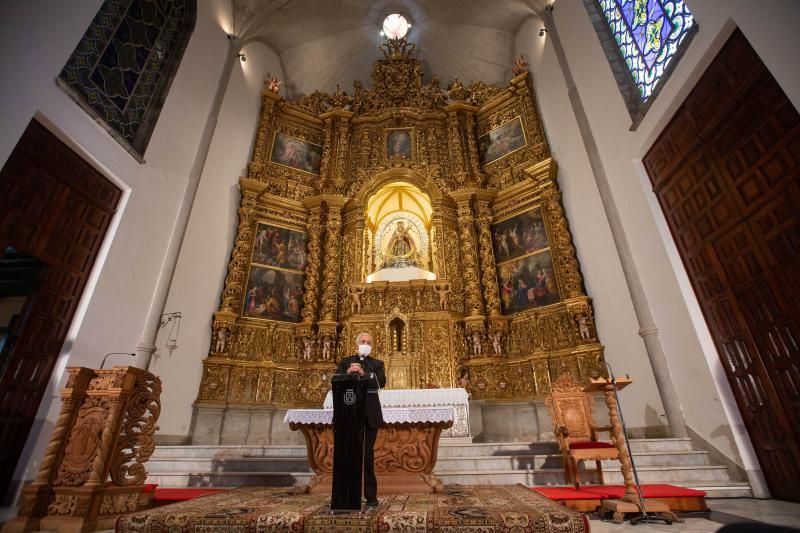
(322, 43)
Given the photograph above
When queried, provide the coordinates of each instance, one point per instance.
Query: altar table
(406, 447)
(457, 398)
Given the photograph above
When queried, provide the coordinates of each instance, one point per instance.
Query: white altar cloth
(456, 398)
(392, 415)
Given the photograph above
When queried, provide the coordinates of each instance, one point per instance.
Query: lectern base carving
(405, 455)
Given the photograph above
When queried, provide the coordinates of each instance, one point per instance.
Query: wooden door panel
(56, 208)
(732, 201)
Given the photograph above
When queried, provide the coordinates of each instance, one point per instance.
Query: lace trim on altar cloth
(390, 415)
(415, 397)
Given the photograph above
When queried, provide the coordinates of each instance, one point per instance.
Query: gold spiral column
(240, 258)
(568, 271)
(488, 269)
(469, 256)
(311, 287)
(333, 245)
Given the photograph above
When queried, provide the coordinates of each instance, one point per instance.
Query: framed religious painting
(501, 141)
(524, 264)
(519, 235)
(280, 247)
(527, 282)
(277, 274)
(296, 153)
(399, 143)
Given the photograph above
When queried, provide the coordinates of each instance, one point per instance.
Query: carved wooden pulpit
(105, 429)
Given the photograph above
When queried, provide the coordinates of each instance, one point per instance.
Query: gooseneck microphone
(115, 353)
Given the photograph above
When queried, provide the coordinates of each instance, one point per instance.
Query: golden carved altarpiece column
(479, 157)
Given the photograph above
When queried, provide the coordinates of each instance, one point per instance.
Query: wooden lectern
(349, 419)
(104, 430)
(631, 501)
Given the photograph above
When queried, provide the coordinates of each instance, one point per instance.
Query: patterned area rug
(474, 509)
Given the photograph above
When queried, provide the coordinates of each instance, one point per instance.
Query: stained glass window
(123, 66)
(648, 34)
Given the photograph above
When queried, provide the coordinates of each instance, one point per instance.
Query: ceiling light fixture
(242, 57)
(395, 26)
(542, 32)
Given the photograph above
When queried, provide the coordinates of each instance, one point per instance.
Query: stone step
(486, 476)
(228, 464)
(225, 451)
(229, 479)
(657, 460)
(669, 457)
(722, 489)
(513, 461)
(496, 448)
(555, 476)
(445, 449)
(526, 461)
(714, 489)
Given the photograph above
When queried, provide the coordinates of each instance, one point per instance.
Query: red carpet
(586, 498)
(589, 496)
(177, 494)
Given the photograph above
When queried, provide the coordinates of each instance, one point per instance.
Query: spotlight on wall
(230, 36)
(242, 57)
(542, 32)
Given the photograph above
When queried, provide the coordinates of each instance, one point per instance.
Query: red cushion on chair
(589, 444)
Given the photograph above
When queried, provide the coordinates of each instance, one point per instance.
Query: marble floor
(723, 511)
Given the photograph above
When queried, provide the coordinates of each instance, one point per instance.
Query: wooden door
(55, 208)
(726, 171)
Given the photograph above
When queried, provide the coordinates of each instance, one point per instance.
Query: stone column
(147, 342)
(333, 245)
(488, 267)
(469, 255)
(647, 326)
(312, 283)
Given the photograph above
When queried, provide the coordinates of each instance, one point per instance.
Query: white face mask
(364, 350)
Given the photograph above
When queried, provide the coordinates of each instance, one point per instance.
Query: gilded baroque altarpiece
(506, 313)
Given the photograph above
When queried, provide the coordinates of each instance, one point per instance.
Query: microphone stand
(644, 516)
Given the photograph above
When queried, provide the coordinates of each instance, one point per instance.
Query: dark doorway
(55, 210)
(726, 171)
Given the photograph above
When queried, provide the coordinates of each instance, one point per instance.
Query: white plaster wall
(203, 260)
(617, 325)
(704, 395)
(38, 37)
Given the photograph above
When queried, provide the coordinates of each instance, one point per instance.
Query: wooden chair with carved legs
(571, 411)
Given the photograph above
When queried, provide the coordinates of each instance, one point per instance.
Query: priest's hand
(355, 368)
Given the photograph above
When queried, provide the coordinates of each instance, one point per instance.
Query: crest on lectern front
(349, 397)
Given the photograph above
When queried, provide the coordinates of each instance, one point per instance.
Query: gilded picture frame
(276, 277)
(295, 153)
(502, 141)
(525, 268)
(399, 141)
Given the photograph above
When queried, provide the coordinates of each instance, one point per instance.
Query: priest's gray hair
(362, 334)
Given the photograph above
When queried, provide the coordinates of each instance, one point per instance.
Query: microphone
(115, 353)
